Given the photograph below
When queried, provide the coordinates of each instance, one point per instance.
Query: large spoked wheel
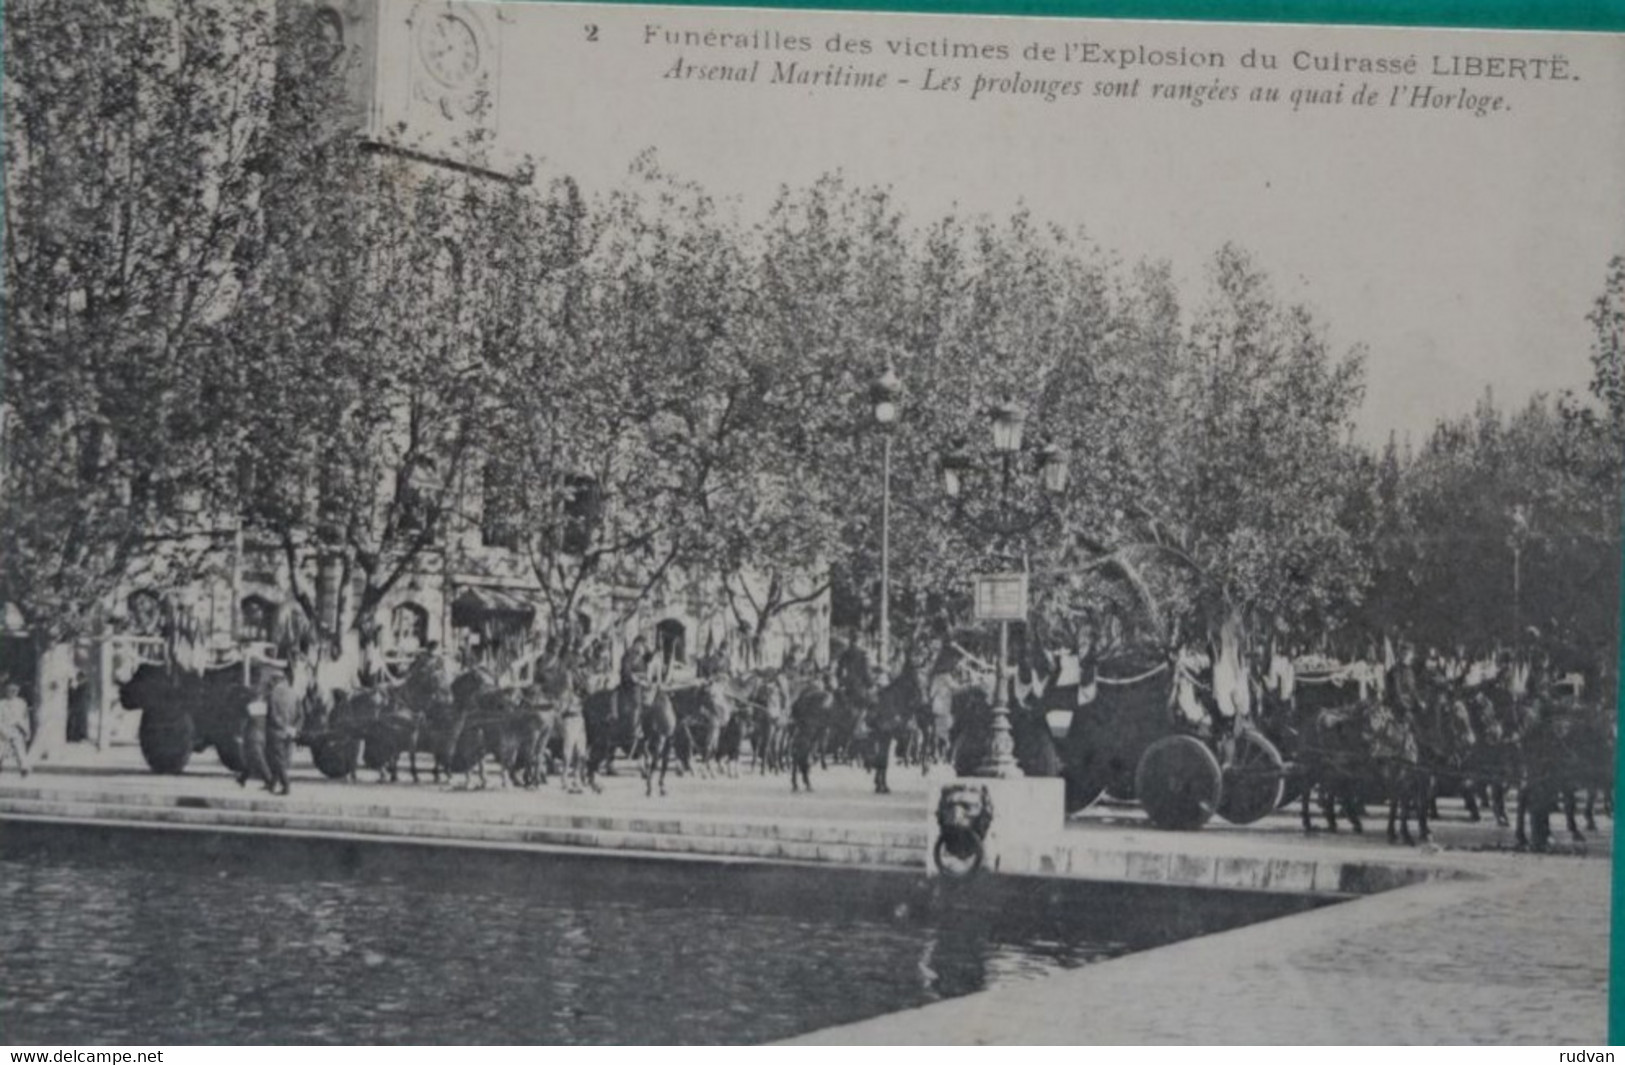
(1178, 783)
(230, 750)
(335, 757)
(1253, 781)
(166, 740)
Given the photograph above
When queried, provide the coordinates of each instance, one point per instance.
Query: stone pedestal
(1028, 813)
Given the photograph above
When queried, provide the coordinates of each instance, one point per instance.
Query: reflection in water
(166, 941)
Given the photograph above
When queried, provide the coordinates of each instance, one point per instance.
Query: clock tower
(453, 67)
(422, 77)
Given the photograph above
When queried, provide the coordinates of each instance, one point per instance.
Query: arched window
(146, 613)
(408, 628)
(258, 615)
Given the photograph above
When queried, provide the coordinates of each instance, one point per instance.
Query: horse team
(1418, 731)
(787, 720)
(1351, 736)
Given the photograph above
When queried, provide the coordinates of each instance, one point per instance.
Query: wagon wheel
(166, 740)
(335, 757)
(1253, 780)
(1178, 782)
(230, 750)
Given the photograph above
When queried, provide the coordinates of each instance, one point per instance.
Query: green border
(1585, 15)
(1616, 924)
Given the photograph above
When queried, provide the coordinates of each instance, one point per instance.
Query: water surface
(128, 936)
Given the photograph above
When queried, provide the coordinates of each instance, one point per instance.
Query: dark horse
(657, 731)
(509, 725)
(1563, 744)
(812, 713)
(611, 716)
(416, 715)
(1349, 747)
(892, 714)
(768, 697)
(704, 712)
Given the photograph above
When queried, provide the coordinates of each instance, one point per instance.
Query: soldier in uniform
(635, 670)
(1404, 684)
(253, 737)
(281, 724)
(856, 681)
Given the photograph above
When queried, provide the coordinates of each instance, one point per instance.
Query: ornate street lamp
(1519, 534)
(1007, 421)
(885, 393)
(954, 466)
(1052, 469)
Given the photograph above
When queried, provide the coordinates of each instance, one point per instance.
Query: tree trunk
(328, 574)
(1230, 685)
(55, 676)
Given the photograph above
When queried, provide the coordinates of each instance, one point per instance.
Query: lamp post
(1007, 423)
(1520, 532)
(885, 393)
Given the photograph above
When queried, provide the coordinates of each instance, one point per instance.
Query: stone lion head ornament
(964, 814)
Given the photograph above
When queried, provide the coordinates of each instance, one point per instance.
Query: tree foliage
(221, 304)
(129, 139)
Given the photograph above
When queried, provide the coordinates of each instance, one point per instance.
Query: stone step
(888, 834)
(874, 853)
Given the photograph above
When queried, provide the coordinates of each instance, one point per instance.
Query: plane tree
(129, 148)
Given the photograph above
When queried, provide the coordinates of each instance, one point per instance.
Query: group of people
(274, 715)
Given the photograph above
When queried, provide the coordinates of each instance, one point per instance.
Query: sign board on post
(1001, 597)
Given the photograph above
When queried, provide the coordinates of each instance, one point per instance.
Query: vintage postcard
(567, 523)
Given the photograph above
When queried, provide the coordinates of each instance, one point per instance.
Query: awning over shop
(475, 606)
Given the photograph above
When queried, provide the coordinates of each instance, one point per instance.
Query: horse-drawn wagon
(186, 711)
(1150, 732)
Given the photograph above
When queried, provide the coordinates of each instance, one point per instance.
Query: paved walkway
(1519, 957)
(1506, 948)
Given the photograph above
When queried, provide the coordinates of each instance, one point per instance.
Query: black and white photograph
(564, 523)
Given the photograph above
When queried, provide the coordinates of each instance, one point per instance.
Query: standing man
(567, 686)
(855, 677)
(14, 727)
(635, 669)
(254, 736)
(281, 724)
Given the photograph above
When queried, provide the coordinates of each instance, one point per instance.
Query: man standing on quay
(14, 727)
(281, 723)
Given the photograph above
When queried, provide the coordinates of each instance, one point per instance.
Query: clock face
(450, 50)
(329, 31)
